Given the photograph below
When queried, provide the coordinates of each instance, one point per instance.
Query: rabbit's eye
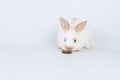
(74, 40)
(65, 40)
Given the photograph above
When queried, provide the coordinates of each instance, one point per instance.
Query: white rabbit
(73, 35)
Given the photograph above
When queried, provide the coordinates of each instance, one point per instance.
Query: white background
(28, 31)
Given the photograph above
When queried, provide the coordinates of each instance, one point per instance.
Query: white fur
(83, 37)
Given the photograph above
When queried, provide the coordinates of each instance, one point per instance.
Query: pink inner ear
(64, 24)
(80, 26)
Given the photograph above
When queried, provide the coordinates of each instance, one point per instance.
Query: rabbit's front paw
(87, 46)
(59, 47)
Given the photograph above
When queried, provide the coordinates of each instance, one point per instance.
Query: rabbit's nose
(69, 48)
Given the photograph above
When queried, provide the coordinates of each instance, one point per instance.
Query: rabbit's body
(73, 35)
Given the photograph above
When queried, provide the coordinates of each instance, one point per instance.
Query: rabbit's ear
(64, 24)
(80, 26)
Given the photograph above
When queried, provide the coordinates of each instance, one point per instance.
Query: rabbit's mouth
(66, 52)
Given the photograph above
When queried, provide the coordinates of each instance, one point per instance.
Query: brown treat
(66, 52)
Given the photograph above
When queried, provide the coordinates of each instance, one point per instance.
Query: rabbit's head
(71, 35)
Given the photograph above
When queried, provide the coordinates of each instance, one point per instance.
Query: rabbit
(73, 35)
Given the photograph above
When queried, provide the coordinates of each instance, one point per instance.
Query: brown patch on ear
(80, 26)
(64, 24)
